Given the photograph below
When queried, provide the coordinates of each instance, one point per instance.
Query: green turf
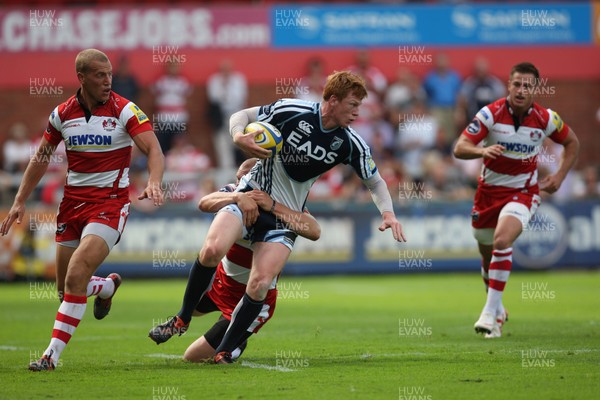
(367, 337)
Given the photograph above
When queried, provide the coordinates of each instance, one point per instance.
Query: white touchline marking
(243, 363)
(160, 355)
(418, 353)
(12, 348)
(265, 366)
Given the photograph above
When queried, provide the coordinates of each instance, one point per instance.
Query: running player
(229, 284)
(98, 127)
(320, 136)
(512, 130)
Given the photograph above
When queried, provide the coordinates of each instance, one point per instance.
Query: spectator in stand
(418, 133)
(227, 92)
(311, 86)
(404, 91)
(171, 92)
(371, 124)
(442, 85)
(17, 149)
(124, 82)
(5, 188)
(184, 163)
(329, 185)
(588, 186)
(376, 80)
(444, 179)
(477, 91)
(402, 95)
(352, 189)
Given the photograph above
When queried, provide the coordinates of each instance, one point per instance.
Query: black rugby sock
(198, 283)
(241, 319)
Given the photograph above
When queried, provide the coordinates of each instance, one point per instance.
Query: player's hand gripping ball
(269, 139)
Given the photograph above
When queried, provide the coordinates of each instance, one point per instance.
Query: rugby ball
(269, 139)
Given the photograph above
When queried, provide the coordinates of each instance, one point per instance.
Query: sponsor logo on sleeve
(474, 127)
(139, 114)
(371, 164)
(558, 122)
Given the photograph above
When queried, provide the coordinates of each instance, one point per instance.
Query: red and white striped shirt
(98, 145)
(516, 168)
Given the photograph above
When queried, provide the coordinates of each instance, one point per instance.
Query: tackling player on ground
(512, 130)
(98, 127)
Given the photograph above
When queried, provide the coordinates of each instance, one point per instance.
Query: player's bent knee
(258, 289)
(191, 356)
(76, 282)
(501, 243)
(210, 255)
(199, 351)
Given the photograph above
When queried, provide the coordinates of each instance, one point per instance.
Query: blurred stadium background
(428, 65)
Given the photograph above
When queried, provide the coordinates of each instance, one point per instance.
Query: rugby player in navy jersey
(321, 133)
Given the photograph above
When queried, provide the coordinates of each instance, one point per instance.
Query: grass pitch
(362, 337)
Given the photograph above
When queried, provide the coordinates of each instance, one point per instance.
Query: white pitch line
(265, 366)
(415, 353)
(12, 348)
(160, 355)
(243, 363)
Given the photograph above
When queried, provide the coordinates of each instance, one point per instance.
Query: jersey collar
(512, 112)
(86, 111)
(319, 108)
(516, 120)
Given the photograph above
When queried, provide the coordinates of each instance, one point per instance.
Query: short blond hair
(87, 56)
(342, 83)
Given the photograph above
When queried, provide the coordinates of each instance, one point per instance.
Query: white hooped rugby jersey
(98, 145)
(308, 152)
(516, 168)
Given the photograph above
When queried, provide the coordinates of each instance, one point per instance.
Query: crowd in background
(410, 124)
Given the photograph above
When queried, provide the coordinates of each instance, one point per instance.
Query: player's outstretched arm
(383, 201)
(148, 144)
(302, 223)
(35, 170)
(551, 183)
(237, 123)
(465, 149)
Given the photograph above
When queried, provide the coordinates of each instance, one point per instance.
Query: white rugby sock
(102, 287)
(499, 272)
(69, 315)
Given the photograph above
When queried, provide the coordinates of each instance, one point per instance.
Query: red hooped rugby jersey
(230, 282)
(516, 168)
(99, 148)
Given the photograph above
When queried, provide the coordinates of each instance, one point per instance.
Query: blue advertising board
(439, 239)
(354, 25)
